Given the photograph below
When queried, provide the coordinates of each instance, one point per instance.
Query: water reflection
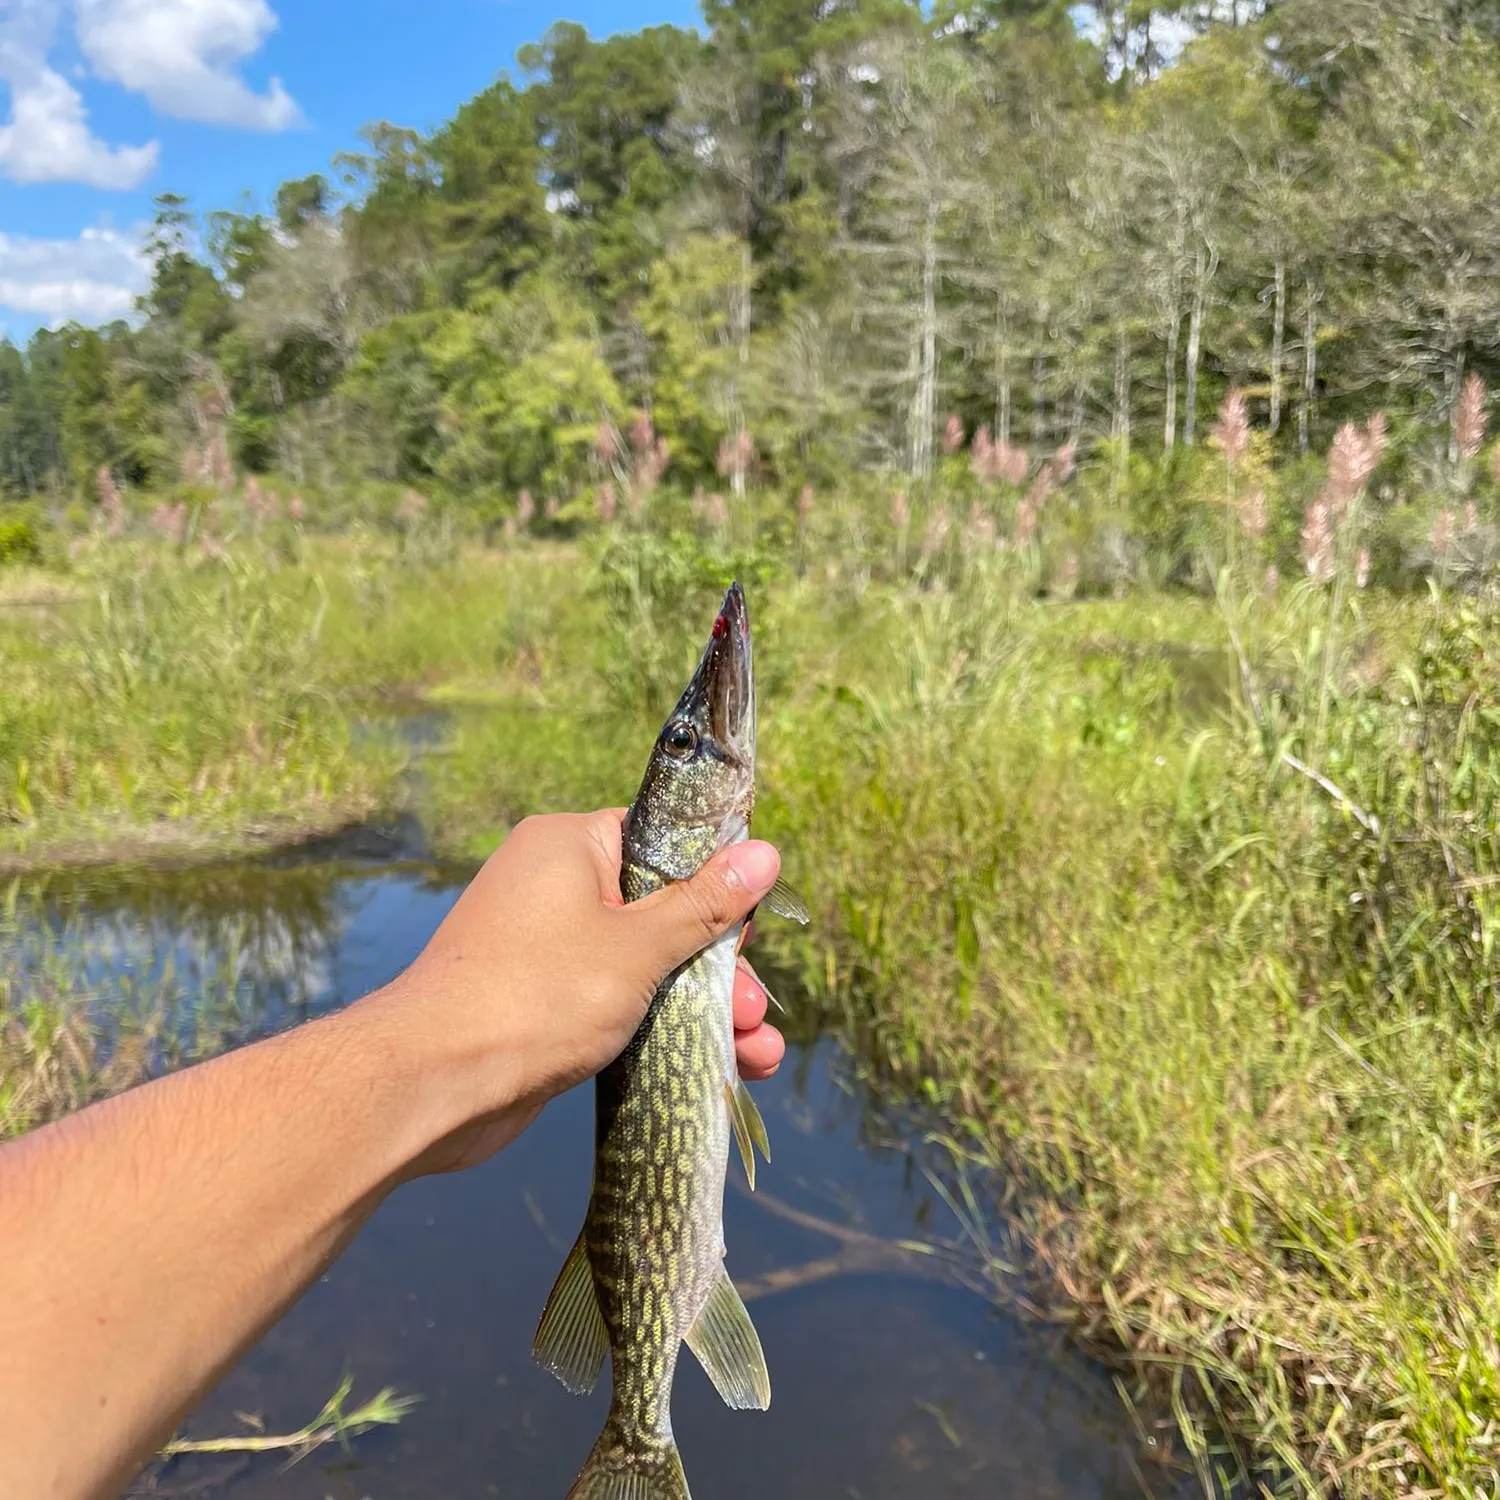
(892, 1378)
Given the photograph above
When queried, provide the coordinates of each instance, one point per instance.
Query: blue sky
(105, 103)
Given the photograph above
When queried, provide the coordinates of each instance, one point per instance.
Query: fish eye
(679, 740)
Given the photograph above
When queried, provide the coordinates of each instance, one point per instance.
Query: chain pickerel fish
(647, 1274)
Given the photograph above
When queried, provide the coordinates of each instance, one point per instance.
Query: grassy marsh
(1073, 879)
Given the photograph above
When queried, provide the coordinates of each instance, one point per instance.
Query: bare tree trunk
(1190, 394)
(739, 315)
(1174, 333)
(1119, 426)
(20, 461)
(299, 453)
(924, 397)
(1454, 379)
(637, 362)
(1002, 370)
(1278, 344)
(1039, 420)
(1309, 370)
(1206, 264)
(288, 434)
(1075, 422)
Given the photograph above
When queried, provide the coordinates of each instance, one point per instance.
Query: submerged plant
(334, 1424)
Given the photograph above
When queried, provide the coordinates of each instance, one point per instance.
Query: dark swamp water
(894, 1376)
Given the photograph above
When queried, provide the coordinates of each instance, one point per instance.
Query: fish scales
(647, 1273)
(653, 1232)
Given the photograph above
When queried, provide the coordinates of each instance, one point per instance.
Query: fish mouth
(725, 682)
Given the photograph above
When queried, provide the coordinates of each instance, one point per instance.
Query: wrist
(442, 1079)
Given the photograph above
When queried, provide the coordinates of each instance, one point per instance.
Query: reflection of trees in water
(166, 966)
(176, 964)
(107, 976)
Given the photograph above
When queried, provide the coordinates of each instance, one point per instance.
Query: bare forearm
(147, 1241)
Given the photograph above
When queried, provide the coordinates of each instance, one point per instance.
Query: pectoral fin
(728, 1347)
(785, 902)
(749, 1128)
(571, 1340)
(753, 1121)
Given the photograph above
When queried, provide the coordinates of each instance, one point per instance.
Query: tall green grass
(159, 704)
(1182, 909)
(160, 700)
(1234, 1025)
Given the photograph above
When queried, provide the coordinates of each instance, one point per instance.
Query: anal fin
(571, 1340)
(749, 1128)
(728, 1347)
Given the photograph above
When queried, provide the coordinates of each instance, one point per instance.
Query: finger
(759, 1052)
(750, 998)
(606, 831)
(686, 917)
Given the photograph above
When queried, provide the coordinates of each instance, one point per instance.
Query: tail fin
(631, 1468)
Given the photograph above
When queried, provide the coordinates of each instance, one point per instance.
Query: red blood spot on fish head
(721, 628)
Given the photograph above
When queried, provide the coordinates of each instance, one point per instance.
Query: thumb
(686, 917)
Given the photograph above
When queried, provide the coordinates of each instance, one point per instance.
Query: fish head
(699, 787)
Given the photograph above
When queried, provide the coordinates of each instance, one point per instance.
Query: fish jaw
(699, 787)
(732, 684)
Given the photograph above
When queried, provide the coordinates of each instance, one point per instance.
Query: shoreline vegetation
(1176, 906)
(173, 845)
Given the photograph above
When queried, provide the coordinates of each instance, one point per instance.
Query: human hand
(540, 974)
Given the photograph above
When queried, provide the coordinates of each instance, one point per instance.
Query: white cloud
(182, 55)
(93, 278)
(47, 138)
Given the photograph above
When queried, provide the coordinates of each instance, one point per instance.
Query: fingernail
(755, 865)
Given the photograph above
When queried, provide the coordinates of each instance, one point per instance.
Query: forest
(998, 244)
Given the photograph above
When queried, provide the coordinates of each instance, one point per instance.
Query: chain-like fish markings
(647, 1273)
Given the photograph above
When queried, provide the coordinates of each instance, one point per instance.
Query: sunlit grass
(1233, 1034)
(165, 706)
(1260, 1153)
